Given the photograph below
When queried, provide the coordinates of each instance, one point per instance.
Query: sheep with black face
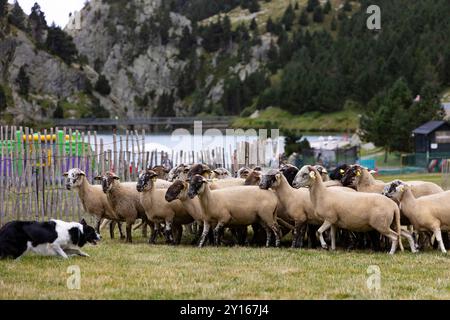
(158, 210)
(93, 199)
(427, 213)
(294, 202)
(241, 206)
(124, 199)
(354, 211)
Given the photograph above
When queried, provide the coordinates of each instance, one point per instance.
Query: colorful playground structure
(25, 147)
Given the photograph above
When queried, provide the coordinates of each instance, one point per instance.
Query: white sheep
(354, 211)
(427, 213)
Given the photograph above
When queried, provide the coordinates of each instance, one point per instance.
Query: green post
(61, 141)
(19, 142)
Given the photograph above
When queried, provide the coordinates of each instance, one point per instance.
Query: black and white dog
(52, 238)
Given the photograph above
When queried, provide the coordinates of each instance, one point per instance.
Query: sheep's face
(305, 177)
(146, 180)
(161, 171)
(338, 173)
(289, 171)
(254, 178)
(394, 190)
(220, 173)
(197, 185)
(108, 180)
(200, 169)
(243, 172)
(352, 176)
(179, 172)
(270, 180)
(74, 178)
(178, 190)
(322, 171)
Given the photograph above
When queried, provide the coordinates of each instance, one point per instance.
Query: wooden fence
(32, 164)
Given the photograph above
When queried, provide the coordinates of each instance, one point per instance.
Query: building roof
(428, 127)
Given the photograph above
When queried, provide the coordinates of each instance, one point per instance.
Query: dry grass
(139, 271)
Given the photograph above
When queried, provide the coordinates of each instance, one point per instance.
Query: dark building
(432, 137)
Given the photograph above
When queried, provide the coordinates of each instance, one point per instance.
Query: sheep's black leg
(268, 234)
(144, 230)
(217, 233)
(375, 240)
(296, 234)
(178, 233)
(154, 233)
(111, 229)
(205, 233)
(168, 233)
(301, 236)
(312, 238)
(119, 226)
(129, 227)
(258, 235)
(276, 230)
(97, 226)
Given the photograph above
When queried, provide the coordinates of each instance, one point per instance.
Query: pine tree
(304, 20)
(318, 14)
(253, 25)
(38, 24)
(187, 43)
(3, 8)
(312, 4)
(61, 44)
(347, 6)
(17, 16)
(102, 86)
(333, 24)
(269, 25)
(3, 103)
(254, 6)
(296, 6)
(288, 18)
(327, 8)
(23, 81)
(59, 112)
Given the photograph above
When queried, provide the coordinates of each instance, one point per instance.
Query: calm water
(168, 142)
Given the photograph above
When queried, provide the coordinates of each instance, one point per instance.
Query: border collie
(52, 238)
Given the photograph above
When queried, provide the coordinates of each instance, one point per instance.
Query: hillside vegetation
(232, 57)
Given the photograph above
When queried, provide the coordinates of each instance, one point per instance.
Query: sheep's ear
(372, 172)
(83, 222)
(401, 188)
(312, 174)
(342, 171)
(358, 172)
(81, 173)
(65, 174)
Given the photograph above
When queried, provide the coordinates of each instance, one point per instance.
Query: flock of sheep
(347, 207)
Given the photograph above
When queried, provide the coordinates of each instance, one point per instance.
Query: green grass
(431, 177)
(117, 270)
(271, 117)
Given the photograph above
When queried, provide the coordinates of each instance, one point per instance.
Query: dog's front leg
(59, 251)
(80, 253)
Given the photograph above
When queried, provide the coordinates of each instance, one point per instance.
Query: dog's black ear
(83, 222)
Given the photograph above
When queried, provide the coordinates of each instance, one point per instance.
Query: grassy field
(139, 271)
(271, 117)
(117, 270)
